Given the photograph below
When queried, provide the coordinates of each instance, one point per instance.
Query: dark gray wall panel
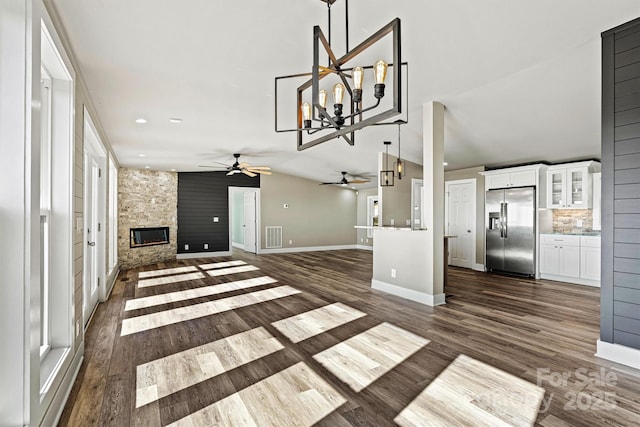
(627, 220)
(628, 161)
(630, 146)
(627, 339)
(626, 324)
(630, 296)
(627, 57)
(627, 102)
(627, 265)
(626, 250)
(629, 72)
(627, 236)
(627, 117)
(627, 131)
(620, 283)
(626, 309)
(201, 197)
(627, 191)
(627, 42)
(626, 280)
(628, 176)
(627, 87)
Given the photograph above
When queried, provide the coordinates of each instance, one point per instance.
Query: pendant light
(386, 175)
(399, 165)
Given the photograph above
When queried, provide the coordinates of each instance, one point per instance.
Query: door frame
(94, 149)
(255, 190)
(414, 183)
(474, 212)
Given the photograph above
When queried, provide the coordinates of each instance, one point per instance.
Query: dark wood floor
(520, 326)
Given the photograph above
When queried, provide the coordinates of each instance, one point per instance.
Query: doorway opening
(244, 219)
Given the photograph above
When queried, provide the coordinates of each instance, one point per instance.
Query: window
(45, 209)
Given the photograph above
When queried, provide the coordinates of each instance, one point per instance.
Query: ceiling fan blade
(263, 172)
(359, 181)
(231, 172)
(267, 168)
(243, 165)
(248, 173)
(330, 183)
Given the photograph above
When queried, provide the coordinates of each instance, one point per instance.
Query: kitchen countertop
(576, 233)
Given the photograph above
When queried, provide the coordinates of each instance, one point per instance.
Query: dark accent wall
(620, 292)
(201, 197)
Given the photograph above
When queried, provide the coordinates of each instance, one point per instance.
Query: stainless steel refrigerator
(511, 230)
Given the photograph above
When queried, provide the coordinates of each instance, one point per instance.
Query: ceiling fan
(245, 168)
(345, 181)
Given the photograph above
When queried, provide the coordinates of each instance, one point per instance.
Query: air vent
(274, 236)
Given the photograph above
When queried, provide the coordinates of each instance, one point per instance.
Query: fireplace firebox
(151, 236)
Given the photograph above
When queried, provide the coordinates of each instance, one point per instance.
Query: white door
(417, 192)
(91, 236)
(461, 222)
(250, 221)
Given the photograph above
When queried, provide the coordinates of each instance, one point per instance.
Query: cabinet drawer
(590, 241)
(559, 239)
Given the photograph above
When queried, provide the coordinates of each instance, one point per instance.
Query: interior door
(250, 222)
(461, 222)
(91, 230)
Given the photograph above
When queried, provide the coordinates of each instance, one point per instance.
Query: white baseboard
(307, 249)
(364, 247)
(574, 280)
(54, 412)
(422, 298)
(112, 280)
(478, 267)
(203, 255)
(618, 353)
(237, 245)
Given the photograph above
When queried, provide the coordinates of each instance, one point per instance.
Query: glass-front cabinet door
(577, 188)
(556, 185)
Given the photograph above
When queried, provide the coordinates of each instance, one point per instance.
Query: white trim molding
(203, 255)
(422, 298)
(51, 417)
(307, 249)
(478, 267)
(618, 353)
(364, 247)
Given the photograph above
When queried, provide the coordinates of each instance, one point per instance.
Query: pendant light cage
(387, 175)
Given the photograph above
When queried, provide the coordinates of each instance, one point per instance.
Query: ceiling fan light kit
(349, 112)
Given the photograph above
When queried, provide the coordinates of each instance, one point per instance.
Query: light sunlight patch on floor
(145, 322)
(166, 271)
(176, 372)
(221, 264)
(469, 392)
(365, 357)
(165, 280)
(306, 325)
(232, 270)
(296, 396)
(151, 301)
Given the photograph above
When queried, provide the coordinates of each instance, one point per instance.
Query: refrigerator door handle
(506, 220)
(502, 219)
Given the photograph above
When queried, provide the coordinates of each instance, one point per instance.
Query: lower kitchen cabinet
(570, 258)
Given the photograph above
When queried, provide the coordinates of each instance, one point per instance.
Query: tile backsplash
(568, 220)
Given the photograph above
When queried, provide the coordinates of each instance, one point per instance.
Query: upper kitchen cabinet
(569, 185)
(520, 176)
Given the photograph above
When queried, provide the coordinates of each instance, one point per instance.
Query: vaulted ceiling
(520, 79)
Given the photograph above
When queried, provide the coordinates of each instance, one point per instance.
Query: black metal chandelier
(353, 109)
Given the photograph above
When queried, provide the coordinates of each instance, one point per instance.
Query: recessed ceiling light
(147, 167)
(142, 155)
(173, 170)
(175, 120)
(445, 163)
(141, 121)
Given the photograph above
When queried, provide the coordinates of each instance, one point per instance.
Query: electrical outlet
(186, 247)
(408, 222)
(206, 246)
(77, 329)
(361, 240)
(291, 242)
(367, 241)
(578, 223)
(216, 219)
(392, 221)
(393, 273)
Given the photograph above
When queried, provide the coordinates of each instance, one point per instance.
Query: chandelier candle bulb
(338, 96)
(358, 78)
(322, 98)
(379, 74)
(306, 114)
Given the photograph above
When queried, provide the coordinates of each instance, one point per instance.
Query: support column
(433, 176)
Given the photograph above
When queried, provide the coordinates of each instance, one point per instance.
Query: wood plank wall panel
(620, 308)
(201, 197)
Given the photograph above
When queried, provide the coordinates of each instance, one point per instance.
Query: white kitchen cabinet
(569, 186)
(570, 258)
(590, 258)
(516, 178)
(560, 255)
